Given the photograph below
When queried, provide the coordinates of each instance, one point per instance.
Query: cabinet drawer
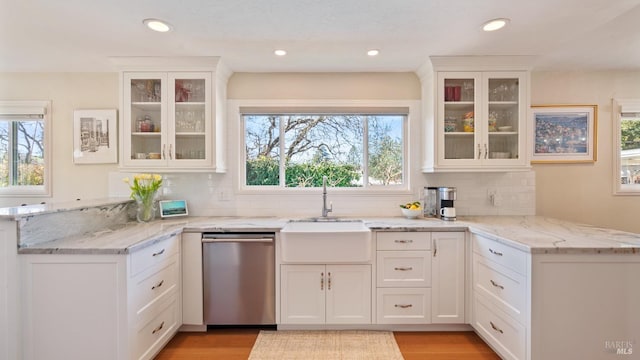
(504, 255)
(505, 334)
(149, 286)
(153, 334)
(403, 305)
(504, 287)
(153, 254)
(403, 268)
(398, 240)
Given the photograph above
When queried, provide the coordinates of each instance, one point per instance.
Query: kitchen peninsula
(534, 287)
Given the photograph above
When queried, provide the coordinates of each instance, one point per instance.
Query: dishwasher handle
(237, 238)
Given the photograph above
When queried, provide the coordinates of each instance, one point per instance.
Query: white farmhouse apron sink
(325, 242)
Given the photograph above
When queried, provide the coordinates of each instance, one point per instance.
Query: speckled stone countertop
(528, 233)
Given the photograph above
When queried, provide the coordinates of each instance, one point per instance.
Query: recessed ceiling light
(280, 52)
(495, 24)
(373, 52)
(157, 25)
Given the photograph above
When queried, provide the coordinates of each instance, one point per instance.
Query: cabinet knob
(409, 268)
(403, 306)
(400, 241)
(496, 285)
(494, 327)
(158, 253)
(158, 328)
(157, 285)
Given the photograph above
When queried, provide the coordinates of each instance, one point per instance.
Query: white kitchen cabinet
(88, 306)
(325, 294)
(448, 277)
(480, 116)
(500, 293)
(403, 277)
(173, 115)
(420, 277)
(192, 290)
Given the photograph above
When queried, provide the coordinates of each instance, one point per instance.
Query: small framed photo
(95, 136)
(564, 133)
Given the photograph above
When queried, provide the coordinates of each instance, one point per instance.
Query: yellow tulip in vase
(144, 190)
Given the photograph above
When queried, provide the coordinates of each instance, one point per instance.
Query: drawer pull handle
(403, 241)
(157, 285)
(403, 306)
(158, 328)
(494, 327)
(496, 284)
(403, 268)
(321, 281)
(158, 253)
(495, 252)
(328, 281)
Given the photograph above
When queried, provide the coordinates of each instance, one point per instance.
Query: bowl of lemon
(411, 210)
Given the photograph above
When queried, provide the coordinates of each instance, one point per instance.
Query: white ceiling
(327, 35)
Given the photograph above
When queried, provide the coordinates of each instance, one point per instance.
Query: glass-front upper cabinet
(167, 120)
(480, 120)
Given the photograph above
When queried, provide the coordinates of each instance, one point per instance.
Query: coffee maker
(439, 202)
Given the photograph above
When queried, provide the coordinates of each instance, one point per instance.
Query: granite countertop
(19, 212)
(528, 233)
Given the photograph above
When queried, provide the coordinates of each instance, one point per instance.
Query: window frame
(32, 107)
(365, 106)
(621, 106)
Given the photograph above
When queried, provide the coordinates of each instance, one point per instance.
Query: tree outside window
(297, 150)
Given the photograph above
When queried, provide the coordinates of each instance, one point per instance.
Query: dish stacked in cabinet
(403, 277)
(154, 296)
(500, 303)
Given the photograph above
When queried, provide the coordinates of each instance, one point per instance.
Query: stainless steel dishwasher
(239, 278)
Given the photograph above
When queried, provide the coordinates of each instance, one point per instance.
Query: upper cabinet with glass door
(480, 118)
(168, 121)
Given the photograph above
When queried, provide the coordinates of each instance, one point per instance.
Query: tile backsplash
(216, 195)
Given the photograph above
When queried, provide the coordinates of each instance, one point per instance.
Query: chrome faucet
(325, 210)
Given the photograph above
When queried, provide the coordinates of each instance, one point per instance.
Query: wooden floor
(236, 344)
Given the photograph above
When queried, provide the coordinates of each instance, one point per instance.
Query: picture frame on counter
(95, 136)
(564, 134)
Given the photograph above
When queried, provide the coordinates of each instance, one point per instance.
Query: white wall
(583, 192)
(68, 92)
(215, 194)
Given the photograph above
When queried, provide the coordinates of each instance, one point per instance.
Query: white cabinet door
(168, 120)
(75, 307)
(145, 119)
(192, 304)
(448, 269)
(481, 120)
(348, 294)
(403, 268)
(302, 294)
(331, 294)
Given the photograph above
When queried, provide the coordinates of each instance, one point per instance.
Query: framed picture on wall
(95, 136)
(564, 133)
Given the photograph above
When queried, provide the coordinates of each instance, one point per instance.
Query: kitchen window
(293, 148)
(627, 146)
(24, 155)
